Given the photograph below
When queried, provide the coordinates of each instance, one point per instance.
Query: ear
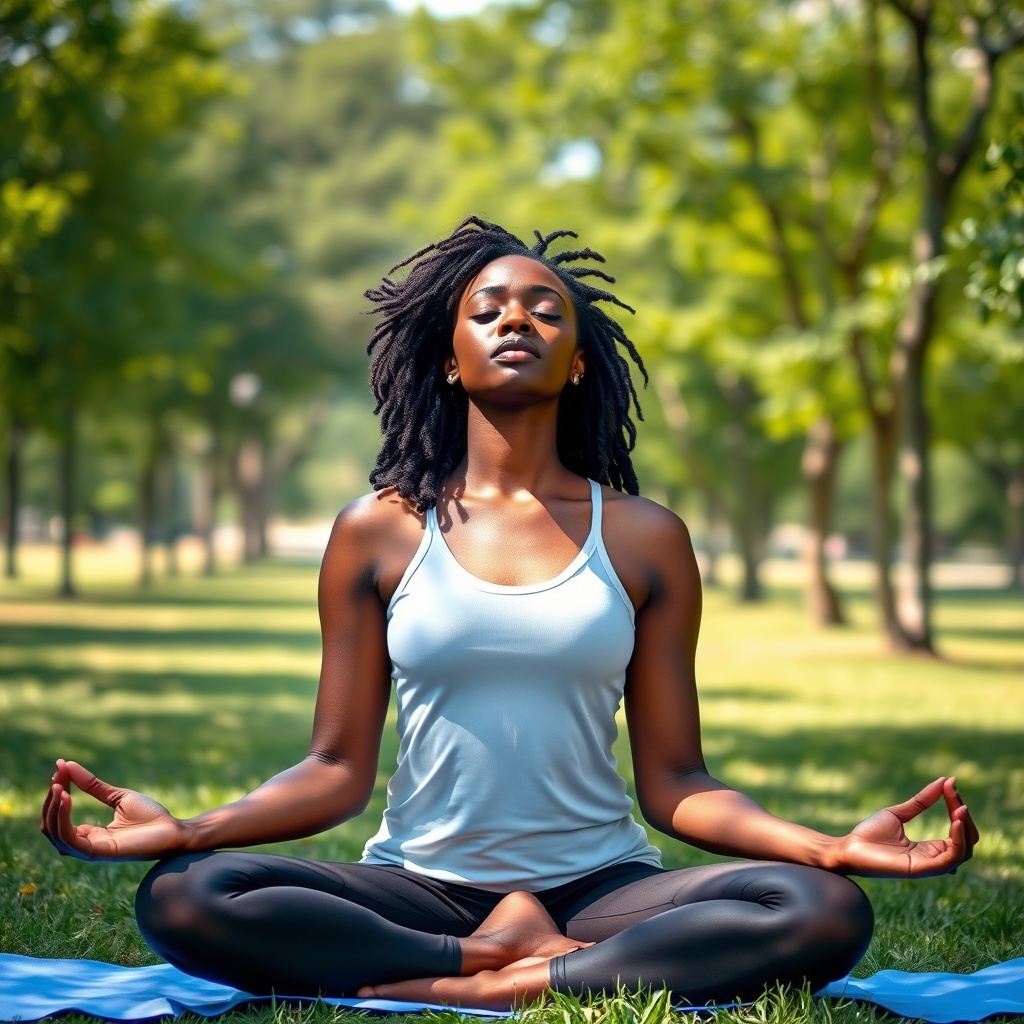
(450, 366)
(578, 363)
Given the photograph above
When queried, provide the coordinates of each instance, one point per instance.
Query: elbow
(659, 803)
(347, 791)
(656, 812)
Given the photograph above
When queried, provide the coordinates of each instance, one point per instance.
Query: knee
(834, 919)
(177, 902)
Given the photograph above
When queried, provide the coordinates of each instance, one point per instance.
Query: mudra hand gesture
(879, 845)
(142, 829)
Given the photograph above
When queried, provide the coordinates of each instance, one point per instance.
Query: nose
(514, 320)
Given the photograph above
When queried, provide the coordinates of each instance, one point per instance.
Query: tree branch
(779, 244)
(867, 384)
(901, 7)
(883, 133)
(952, 163)
(923, 83)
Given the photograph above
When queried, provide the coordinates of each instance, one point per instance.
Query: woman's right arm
(331, 784)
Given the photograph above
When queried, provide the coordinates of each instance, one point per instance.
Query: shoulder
(375, 515)
(649, 545)
(650, 527)
(371, 536)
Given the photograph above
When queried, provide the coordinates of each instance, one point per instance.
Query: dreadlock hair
(423, 419)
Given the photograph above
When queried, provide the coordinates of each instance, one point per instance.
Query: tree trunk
(249, 477)
(147, 507)
(915, 604)
(713, 512)
(170, 474)
(883, 438)
(750, 550)
(748, 512)
(747, 521)
(67, 498)
(819, 462)
(15, 440)
(1015, 526)
(206, 497)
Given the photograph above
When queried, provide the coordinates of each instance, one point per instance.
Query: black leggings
(710, 934)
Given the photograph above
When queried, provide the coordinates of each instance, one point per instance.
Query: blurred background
(817, 208)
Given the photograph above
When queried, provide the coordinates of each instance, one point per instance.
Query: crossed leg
(263, 923)
(713, 933)
(710, 934)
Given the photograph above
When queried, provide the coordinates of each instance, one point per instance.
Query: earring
(577, 377)
(450, 378)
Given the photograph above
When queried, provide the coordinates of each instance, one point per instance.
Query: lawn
(197, 690)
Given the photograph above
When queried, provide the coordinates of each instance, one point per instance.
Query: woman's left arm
(674, 790)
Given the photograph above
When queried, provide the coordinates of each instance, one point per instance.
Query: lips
(516, 345)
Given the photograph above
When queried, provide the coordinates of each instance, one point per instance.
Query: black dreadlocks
(423, 419)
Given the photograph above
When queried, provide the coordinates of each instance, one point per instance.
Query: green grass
(199, 689)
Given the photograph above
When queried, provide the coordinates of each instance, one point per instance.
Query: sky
(451, 8)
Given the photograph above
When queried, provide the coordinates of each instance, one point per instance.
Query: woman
(507, 578)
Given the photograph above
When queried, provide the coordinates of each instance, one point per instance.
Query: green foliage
(84, 89)
(996, 237)
(91, 97)
(326, 140)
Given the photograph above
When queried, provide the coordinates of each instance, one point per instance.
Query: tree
(988, 379)
(92, 95)
(718, 163)
(983, 37)
(805, 130)
(326, 141)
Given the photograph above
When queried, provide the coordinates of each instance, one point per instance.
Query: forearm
(706, 813)
(303, 800)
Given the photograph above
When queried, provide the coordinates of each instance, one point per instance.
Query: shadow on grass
(711, 692)
(819, 775)
(51, 636)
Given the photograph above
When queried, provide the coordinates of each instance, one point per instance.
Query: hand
(142, 829)
(879, 847)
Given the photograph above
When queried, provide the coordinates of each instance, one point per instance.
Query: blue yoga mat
(31, 989)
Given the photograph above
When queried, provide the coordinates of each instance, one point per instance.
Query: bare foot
(517, 928)
(514, 985)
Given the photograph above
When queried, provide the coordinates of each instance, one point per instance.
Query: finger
(957, 808)
(68, 833)
(44, 818)
(958, 839)
(938, 856)
(89, 783)
(971, 836)
(972, 829)
(921, 802)
(951, 796)
(59, 776)
(955, 852)
(47, 800)
(53, 818)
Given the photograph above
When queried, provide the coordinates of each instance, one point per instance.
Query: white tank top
(506, 717)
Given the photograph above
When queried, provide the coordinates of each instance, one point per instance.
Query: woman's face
(515, 333)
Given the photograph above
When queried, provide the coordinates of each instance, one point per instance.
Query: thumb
(921, 802)
(89, 783)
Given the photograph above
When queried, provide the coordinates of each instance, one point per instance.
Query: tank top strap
(429, 531)
(594, 537)
(595, 545)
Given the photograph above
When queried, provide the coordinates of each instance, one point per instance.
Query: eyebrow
(500, 289)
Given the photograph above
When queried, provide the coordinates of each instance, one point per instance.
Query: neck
(510, 450)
